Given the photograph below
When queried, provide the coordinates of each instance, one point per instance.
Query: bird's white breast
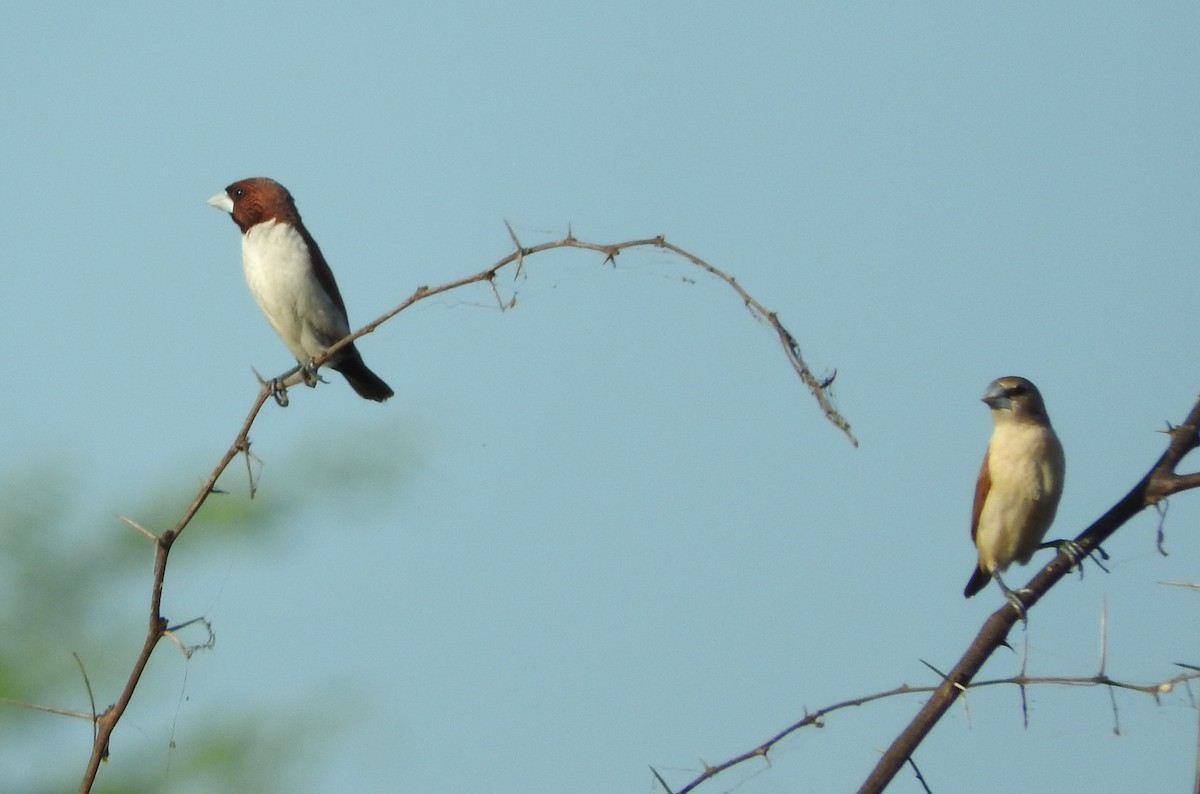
(279, 272)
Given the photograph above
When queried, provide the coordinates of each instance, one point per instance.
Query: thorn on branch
(512, 235)
(250, 478)
(936, 671)
(521, 252)
(502, 304)
(1112, 697)
(138, 527)
(91, 697)
(275, 388)
(661, 782)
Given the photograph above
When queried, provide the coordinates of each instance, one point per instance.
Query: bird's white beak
(222, 201)
(994, 397)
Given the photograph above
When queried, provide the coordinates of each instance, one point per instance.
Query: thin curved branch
(818, 387)
(1155, 689)
(158, 624)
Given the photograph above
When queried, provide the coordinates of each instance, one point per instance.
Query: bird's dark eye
(1018, 390)
(237, 193)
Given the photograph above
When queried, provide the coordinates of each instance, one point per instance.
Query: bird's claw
(275, 388)
(309, 374)
(1073, 550)
(1015, 599)
(1077, 554)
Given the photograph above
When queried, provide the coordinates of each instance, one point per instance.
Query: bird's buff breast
(1025, 468)
(276, 264)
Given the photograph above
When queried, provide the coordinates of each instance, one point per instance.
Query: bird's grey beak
(996, 398)
(222, 201)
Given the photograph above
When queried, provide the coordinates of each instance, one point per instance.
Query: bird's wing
(982, 486)
(322, 272)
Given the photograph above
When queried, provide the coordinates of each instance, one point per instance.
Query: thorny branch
(1159, 483)
(159, 627)
(791, 348)
(816, 718)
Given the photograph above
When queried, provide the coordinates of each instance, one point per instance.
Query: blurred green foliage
(79, 583)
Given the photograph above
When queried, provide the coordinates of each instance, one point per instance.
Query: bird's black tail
(979, 580)
(361, 379)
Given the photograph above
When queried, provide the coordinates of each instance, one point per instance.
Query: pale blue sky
(611, 530)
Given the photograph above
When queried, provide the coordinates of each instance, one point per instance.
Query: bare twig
(82, 715)
(919, 776)
(91, 695)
